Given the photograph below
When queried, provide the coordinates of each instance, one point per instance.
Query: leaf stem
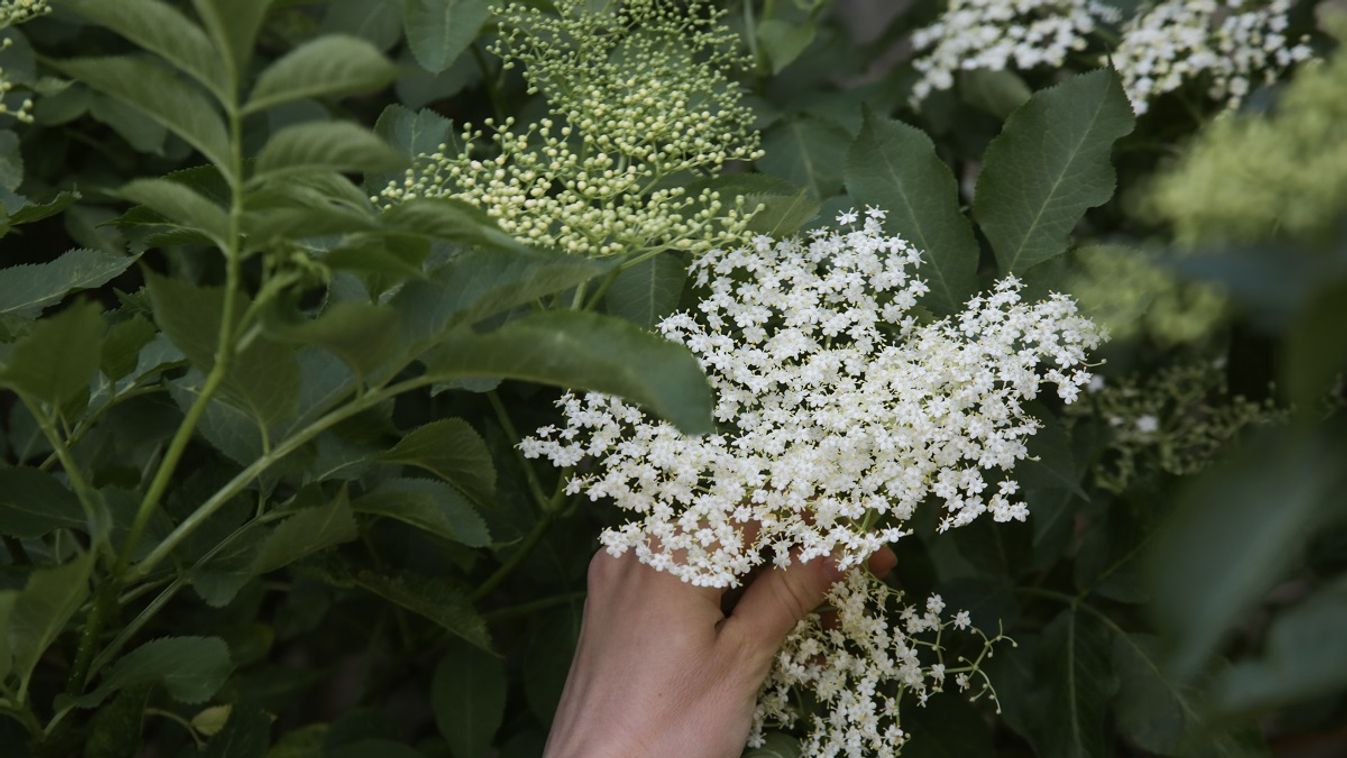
(525, 609)
(62, 452)
(259, 466)
(105, 603)
(85, 424)
(516, 558)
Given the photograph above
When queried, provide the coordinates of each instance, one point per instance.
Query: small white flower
(962, 620)
(1148, 424)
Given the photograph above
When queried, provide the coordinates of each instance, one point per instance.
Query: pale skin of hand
(661, 671)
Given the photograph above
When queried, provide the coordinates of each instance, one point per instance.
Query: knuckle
(601, 570)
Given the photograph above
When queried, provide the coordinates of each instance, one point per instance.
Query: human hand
(661, 670)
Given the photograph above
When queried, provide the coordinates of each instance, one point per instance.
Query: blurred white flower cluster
(995, 35)
(641, 92)
(1230, 45)
(839, 411)
(863, 668)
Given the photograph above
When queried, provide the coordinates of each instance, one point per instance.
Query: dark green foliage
(260, 494)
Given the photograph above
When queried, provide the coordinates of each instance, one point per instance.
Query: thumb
(779, 598)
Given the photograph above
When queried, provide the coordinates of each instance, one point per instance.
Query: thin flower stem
(530, 476)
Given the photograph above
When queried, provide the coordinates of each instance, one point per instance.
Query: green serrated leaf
(894, 167)
(782, 215)
(122, 346)
(438, 31)
(181, 205)
(414, 132)
(263, 379)
(233, 25)
(159, 94)
(782, 42)
(1152, 711)
(330, 66)
(451, 449)
(191, 669)
(996, 91)
(1051, 163)
(325, 146)
(42, 610)
(114, 731)
(358, 333)
(160, 28)
(1080, 685)
(647, 292)
(479, 284)
(380, 23)
(33, 212)
(467, 694)
(449, 220)
(307, 532)
(55, 362)
(34, 503)
(582, 350)
(444, 602)
(27, 289)
(806, 151)
(428, 505)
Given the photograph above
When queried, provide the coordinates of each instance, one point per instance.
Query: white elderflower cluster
(995, 35)
(642, 96)
(1230, 45)
(840, 412)
(861, 668)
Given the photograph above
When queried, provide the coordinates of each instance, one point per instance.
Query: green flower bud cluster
(643, 103)
(1247, 178)
(13, 13)
(1173, 422)
(647, 78)
(1122, 290)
